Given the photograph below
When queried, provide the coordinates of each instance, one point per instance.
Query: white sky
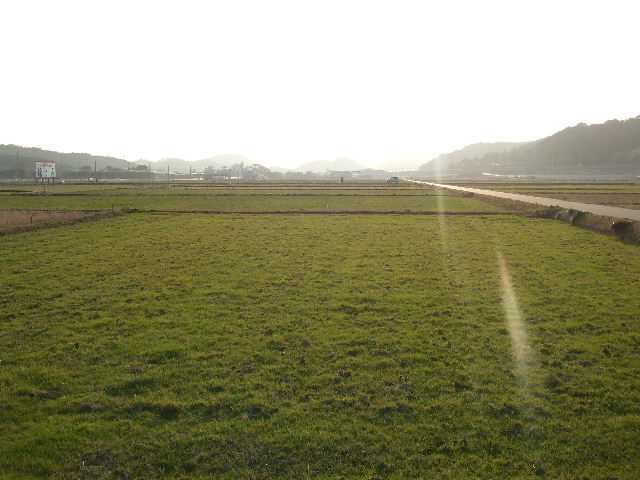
(286, 82)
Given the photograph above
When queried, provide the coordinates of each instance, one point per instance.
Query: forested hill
(18, 161)
(610, 148)
(476, 150)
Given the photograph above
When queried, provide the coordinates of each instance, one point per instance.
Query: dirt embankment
(12, 221)
(626, 230)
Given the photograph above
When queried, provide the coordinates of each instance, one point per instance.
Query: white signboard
(45, 170)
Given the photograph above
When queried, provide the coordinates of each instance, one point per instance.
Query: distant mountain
(405, 163)
(226, 160)
(340, 164)
(477, 150)
(182, 166)
(276, 168)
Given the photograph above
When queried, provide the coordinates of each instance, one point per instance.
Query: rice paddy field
(236, 198)
(160, 344)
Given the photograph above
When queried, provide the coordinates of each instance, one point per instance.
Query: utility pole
(167, 173)
(95, 170)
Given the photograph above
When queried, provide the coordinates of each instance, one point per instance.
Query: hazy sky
(286, 82)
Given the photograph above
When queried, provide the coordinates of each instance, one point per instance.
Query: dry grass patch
(18, 220)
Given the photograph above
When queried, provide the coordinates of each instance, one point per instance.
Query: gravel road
(617, 212)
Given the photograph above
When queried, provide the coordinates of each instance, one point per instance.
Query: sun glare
(516, 325)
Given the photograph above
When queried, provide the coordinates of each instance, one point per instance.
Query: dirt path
(616, 212)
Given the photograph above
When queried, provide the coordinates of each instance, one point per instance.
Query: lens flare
(515, 324)
(441, 209)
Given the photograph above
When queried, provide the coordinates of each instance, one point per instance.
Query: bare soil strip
(21, 220)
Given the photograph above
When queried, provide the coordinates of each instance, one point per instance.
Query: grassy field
(242, 198)
(297, 346)
(376, 188)
(623, 194)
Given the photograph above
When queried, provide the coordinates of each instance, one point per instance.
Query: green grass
(378, 188)
(236, 346)
(190, 202)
